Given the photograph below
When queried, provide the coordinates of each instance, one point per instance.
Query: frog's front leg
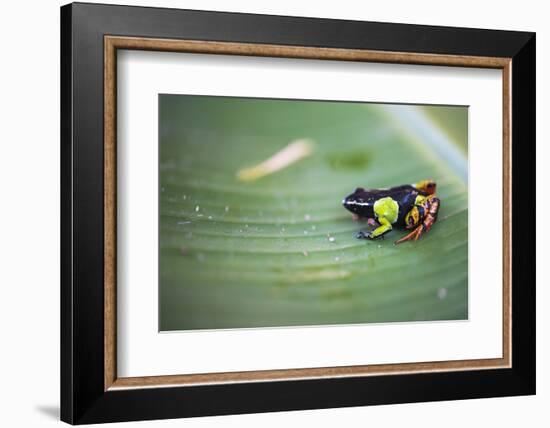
(386, 211)
(431, 207)
(379, 232)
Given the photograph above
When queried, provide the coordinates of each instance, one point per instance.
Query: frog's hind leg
(429, 219)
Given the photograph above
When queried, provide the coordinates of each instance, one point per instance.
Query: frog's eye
(359, 189)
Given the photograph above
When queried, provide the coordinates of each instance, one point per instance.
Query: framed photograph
(265, 213)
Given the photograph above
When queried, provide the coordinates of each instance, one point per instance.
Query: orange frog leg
(430, 218)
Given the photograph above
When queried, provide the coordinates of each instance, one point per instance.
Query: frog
(411, 207)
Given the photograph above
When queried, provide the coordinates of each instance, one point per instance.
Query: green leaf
(280, 250)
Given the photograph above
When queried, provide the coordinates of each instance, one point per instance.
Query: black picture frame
(83, 396)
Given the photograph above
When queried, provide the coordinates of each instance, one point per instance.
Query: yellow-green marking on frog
(386, 211)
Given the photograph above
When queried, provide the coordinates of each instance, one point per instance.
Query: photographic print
(280, 212)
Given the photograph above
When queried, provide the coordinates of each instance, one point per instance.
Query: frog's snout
(348, 201)
(345, 202)
(353, 201)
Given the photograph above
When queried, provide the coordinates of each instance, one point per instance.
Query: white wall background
(29, 214)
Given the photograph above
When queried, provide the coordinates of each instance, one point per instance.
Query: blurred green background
(281, 250)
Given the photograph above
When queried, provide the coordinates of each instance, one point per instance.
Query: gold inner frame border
(113, 43)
